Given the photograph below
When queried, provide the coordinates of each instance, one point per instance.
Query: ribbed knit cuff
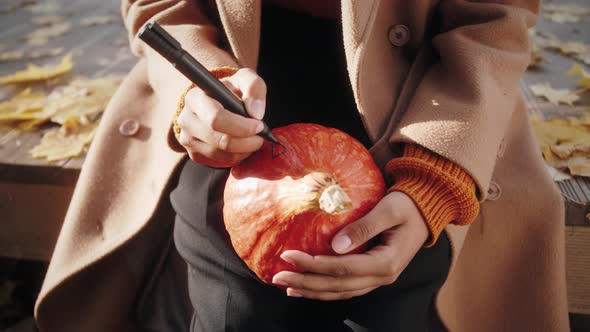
(219, 73)
(443, 191)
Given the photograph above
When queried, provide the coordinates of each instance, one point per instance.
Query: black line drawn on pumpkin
(278, 154)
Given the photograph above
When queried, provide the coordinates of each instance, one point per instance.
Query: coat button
(398, 35)
(129, 127)
(494, 191)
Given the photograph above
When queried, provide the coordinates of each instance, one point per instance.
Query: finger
(205, 154)
(324, 283)
(212, 114)
(380, 218)
(367, 264)
(327, 296)
(253, 91)
(191, 124)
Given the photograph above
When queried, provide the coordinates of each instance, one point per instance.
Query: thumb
(362, 230)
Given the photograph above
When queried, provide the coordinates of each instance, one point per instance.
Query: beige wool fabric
(451, 88)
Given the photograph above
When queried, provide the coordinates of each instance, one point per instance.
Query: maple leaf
(35, 73)
(59, 144)
(554, 96)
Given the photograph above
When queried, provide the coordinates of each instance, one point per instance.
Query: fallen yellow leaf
(58, 144)
(577, 70)
(81, 98)
(563, 140)
(24, 102)
(555, 96)
(562, 17)
(567, 9)
(35, 73)
(579, 166)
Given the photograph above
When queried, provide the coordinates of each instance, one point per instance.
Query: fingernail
(279, 281)
(293, 293)
(287, 258)
(257, 108)
(341, 243)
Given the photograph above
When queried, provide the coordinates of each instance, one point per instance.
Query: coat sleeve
(464, 103)
(187, 21)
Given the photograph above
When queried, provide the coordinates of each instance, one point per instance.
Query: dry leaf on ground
(41, 36)
(45, 7)
(32, 55)
(574, 49)
(37, 54)
(14, 7)
(584, 79)
(11, 56)
(562, 17)
(58, 144)
(554, 96)
(579, 166)
(97, 20)
(571, 9)
(571, 48)
(46, 20)
(565, 143)
(24, 102)
(83, 98)
(35, 73)
(80, 100)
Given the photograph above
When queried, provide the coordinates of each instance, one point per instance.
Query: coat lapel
(241, 22)
(358, 19)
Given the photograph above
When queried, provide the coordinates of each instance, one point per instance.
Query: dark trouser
(227, 296)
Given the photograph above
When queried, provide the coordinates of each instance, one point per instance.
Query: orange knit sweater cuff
(443, 192)
(219, 72)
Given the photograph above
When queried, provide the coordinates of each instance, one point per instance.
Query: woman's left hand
(402, 232)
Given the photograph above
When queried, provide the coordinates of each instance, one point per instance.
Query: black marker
(162, 42)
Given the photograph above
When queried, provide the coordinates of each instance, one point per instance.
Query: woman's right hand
(216, 137)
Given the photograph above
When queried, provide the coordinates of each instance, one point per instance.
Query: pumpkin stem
(329, 196)
(334, 200)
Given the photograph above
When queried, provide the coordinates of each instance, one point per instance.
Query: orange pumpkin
(299, 197)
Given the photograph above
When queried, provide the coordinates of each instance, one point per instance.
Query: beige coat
(442, 74)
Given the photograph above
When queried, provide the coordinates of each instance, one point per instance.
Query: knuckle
(184, 139)
(342, 270)
(389, 279)
(223, 141)
(392, 270)
(190, 96)
(256, 87)
(361, 232)
(182, 119)
(214, 119)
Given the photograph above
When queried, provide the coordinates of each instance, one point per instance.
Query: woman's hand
(216, 137)
(402, 232)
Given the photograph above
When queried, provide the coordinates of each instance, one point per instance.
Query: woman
(435, 85)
